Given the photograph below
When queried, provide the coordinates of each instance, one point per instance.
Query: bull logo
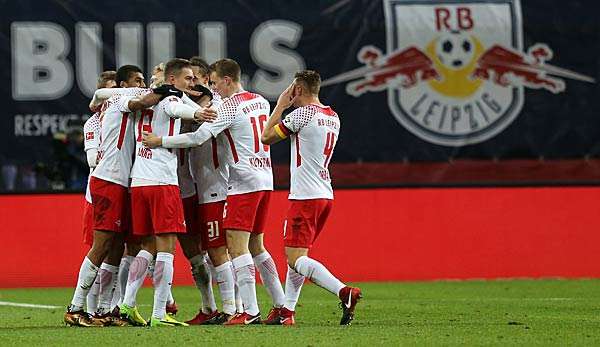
(455, 73)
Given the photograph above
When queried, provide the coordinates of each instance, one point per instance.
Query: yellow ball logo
(454, 56)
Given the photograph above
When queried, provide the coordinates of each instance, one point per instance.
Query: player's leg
(91, 300)
(308, 218)
(108, 278)
(210, 218)
(268, 273)
(135, 279)
(226, 281)
(237, 244)
(190, 244)
(239, 221)
(88, 271)
(133, 247)
(166, 224)
(263, 260)
(143, 231)
(108, 206)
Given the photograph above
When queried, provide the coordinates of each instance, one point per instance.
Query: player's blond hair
(105, 77)
(158, 76)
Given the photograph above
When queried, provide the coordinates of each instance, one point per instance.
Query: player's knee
(218, 256)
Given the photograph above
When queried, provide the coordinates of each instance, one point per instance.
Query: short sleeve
(121, 100)
(91, 132)
(298, 118)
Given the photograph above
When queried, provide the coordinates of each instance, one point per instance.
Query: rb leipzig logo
(455, 72)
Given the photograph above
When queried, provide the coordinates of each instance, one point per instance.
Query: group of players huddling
(188, 160)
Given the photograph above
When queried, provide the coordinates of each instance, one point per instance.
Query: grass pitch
(524, 312)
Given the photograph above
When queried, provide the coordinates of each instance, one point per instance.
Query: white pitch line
(20, 304)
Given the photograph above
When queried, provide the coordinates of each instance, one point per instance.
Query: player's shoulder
(169, 99)
(128, 92)
(242, 97)
(323, 109)
(92, 123)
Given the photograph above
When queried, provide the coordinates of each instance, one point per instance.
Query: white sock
(293, 285)
(270, 278)
(116, 297)
(107, 276)
(246, 280)
(239, 304)
(91, 300)
(318, 274)
(170, 298)
(85, 280)
(123, 275)
(226, 287)
(203, 280)
(162, 279)
(137, 274)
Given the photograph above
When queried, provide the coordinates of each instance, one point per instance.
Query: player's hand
(205, 114)
(167, 90)
(287, 98)
(150, 140)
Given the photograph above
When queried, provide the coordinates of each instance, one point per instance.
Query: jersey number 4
(328, 150)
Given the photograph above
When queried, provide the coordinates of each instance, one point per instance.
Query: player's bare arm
(285, 100)
(146, 101)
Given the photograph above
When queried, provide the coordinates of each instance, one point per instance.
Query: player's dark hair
(174, 66)
(310, 79)
(201, 63)
(227, 67)
(105, 77)
(125, 72)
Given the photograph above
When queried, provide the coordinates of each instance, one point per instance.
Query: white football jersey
(117, 141)
(314, 132)
(158, 165)
(209, 164)
(210, 169)
(241, 119)
(91, 140)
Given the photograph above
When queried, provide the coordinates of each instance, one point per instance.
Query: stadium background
(521, 204)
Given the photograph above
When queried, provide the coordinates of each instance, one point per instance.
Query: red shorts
(156, 210)
(110, 203)
(189, 214)
(210, 220)
(88, 223)
(304, 221)
(247, 212)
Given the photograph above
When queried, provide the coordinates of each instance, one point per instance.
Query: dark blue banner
(429, 92)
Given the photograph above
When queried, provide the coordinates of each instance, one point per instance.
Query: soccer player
(157, 209)
(108, 187)
(314, 130)
(241, 118)
(210, 170)
(91, 138)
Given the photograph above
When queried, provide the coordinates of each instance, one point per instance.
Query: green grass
(524, 312)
